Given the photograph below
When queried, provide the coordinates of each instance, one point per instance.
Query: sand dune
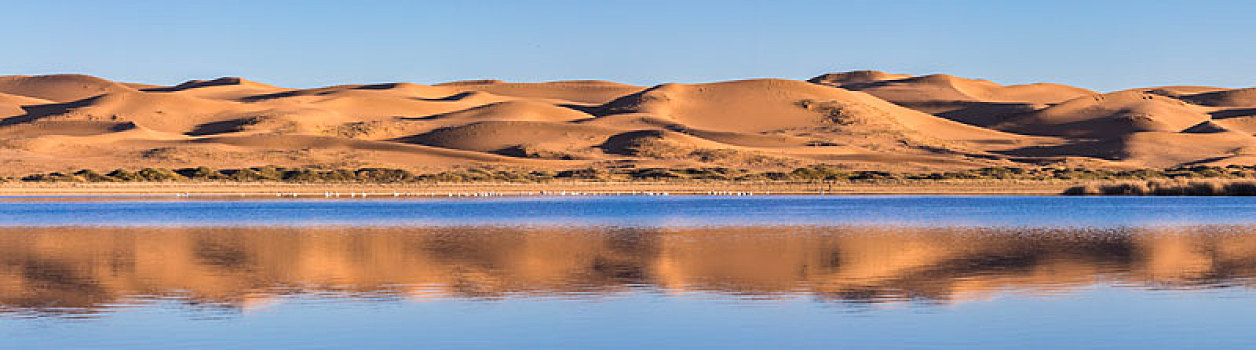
(11, 105)
(977, 102)
(227, 88)
(1109, 115)
(1238, 120)
(856, 77)
(19, 100)
(517, 138)
(783, 105)
(1224, 98)
(518, 110)
(1163, 149)
(164, 112)
(861, 120)
(1180, 90)
(580, 91)
(900, 88)
(59, 87)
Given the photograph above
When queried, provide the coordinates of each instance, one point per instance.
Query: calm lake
(865, 272)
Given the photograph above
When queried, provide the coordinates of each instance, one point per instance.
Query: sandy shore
(175, 189)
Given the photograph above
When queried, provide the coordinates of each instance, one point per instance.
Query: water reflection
(83, 271)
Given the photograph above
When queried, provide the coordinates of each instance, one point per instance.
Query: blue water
(1102, 319)
(641, 210)
(628, 272)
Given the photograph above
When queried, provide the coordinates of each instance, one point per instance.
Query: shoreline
(356, 190)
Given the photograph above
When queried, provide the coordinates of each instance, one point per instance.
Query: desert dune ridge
(861, 120)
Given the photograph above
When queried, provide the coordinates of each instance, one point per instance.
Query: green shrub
(383, 175)
(158, 175)
(123, 175)
(654, 174)
(93, 176)
(244, 175)
(270, 173)
(200, 173)
(587, 173)
(52, 177)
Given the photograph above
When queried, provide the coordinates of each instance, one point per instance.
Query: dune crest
(59, 87)
(976, 102)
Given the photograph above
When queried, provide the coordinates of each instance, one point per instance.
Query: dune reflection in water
(83, 271)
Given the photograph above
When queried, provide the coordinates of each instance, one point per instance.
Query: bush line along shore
(476, 175)
(1166, 188)
(1182, 181)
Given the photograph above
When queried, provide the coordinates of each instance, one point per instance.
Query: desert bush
(1128, 188)
(587, 173)
(269, 172)
(817, 173)
(776, 175)
(158, 175)
(1166, 188)
(873, 175)
(383, 175)
(200, 173)
(244, 175)
(654, 174)
(52, 177)
(123, 175)
(1083, 190)
(301, 175)
(1241, 189)
(1173, 181)
(717, 173)
(93, 176)
(541, 175)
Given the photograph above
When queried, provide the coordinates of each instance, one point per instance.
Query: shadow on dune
(277, 95)
(1234, 113)
(37, 112)
(1101, 149)
(225, 81)
(220, 127)
(982, 114)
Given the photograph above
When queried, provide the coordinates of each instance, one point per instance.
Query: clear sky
(1104, 45)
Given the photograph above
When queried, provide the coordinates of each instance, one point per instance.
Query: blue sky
(1104, 45)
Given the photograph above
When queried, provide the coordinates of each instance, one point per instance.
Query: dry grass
(1166, 188)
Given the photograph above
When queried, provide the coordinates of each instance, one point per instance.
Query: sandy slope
(59, 87)
(861, 119)
(1109, 115)
(976, 102)
(11, 105)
